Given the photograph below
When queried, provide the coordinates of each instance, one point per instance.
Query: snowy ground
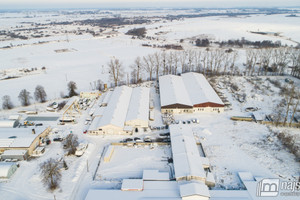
(129, 162)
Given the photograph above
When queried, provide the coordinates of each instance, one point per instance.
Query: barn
(203, 96)
(174, 97)
(188, 93)
(138, 110)
(7, 169)
(113, 119)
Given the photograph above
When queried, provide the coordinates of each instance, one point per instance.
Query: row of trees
(40, 95)
(25, 97)
(208, 61)
(288, 105)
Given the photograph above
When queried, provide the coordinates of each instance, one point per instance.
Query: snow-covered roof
(194, 188)
(18, 137)
(7, 123)
(115, 113)
(186, 157)
(107, 97)
(188, 89)
(14, 117)
(99, 111)
(173, 91)
(155, 175)
(139, 104)
(152, 190)
(199, 89)
(132, 184)
(14, 152)
(4, 168)
(95, 123)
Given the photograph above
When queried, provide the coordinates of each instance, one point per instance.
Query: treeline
(266, 61)
(256, 44)
(40, 95)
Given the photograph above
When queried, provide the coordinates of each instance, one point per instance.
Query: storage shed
(7, 169)
(9, 123)
(15, 154)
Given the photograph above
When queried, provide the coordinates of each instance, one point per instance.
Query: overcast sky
(145, 3)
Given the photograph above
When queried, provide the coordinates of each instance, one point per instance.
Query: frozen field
(86, 57)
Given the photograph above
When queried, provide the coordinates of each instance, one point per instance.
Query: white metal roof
(107, 97)
(139, 104)
(194, 188)
(173, 91)
(186, 157)
(99, 111)
(199, 89)
(95, 123)
(188, 89)
(115, 113)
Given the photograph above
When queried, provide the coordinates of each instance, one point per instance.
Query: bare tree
(176, 60)
(6, 102)
(116, 71)
(72, 87)
(136, 73)
(295, 106)
(50, 173)
(156, 59)
(289, 94)
(24, 97)
(99, 85)
(40, 94)
(149, 65)
(70, 143)
(182, 61)
(277, 114)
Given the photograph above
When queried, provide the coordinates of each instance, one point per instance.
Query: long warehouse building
(127, 109)
(188, 93)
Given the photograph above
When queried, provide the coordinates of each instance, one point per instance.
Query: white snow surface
(173, 91)
(115, 112)
(138, 108)
(199, 90)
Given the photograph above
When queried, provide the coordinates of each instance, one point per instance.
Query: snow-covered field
(231, 146)
(87, 56)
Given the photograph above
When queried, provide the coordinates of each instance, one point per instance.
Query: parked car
(147, 140)
(80, 149)
(85, 131)
(58, 139)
